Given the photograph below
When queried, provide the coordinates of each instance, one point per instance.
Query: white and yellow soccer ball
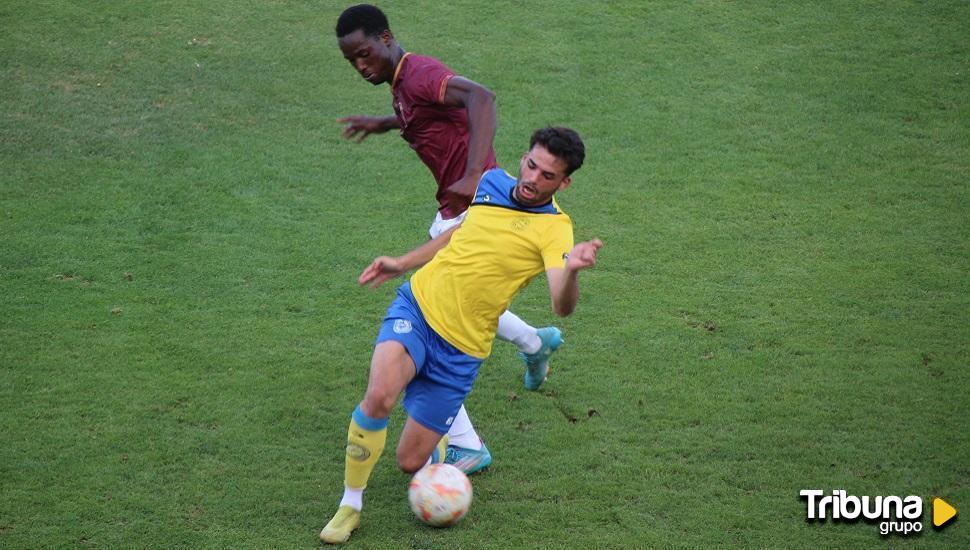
(440, 494)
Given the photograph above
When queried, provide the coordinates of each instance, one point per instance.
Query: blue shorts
(444, 375)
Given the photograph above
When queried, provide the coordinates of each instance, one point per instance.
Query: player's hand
(583, 255)
(459, 195)
(382, 269)
(360, 126)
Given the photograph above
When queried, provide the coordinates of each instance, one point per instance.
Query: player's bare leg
(391, 370)
(418, 446)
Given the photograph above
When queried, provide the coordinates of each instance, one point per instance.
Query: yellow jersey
(499, 248)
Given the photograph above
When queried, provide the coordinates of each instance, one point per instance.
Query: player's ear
(387, 38)
(566, 181)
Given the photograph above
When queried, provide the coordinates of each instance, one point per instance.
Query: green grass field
(782, 303)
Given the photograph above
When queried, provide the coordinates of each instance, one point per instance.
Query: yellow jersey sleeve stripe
(444, 89)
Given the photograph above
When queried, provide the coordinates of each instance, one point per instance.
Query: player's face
(541, 174)
(371, 56)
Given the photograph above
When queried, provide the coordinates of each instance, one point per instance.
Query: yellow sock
(365, 443)
(440, 451)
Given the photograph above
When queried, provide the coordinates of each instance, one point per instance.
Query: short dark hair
(365, 17)
(564, 143)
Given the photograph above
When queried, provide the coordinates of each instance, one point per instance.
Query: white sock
(462, 433)
(353, 498)
(513, 329)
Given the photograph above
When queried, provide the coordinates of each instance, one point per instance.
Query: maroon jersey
(437, 133)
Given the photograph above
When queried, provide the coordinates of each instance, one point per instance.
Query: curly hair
(564, 143)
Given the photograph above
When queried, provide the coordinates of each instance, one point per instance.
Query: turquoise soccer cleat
(468, 460)
(537, 364)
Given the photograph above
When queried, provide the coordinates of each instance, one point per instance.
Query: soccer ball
(440, 494)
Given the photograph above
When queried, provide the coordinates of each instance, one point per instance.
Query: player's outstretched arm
(362, 126)
(564, 282)
(479, 102)
(384, 268)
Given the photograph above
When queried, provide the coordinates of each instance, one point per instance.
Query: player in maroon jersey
(448, 120)
(450, 123)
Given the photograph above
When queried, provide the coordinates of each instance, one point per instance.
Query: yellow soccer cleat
(341, 526)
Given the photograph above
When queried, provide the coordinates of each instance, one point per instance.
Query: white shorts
(440, 225)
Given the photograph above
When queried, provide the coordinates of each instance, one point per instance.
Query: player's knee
(378, 402)
(409, 463)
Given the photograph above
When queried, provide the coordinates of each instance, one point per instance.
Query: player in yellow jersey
(440, 327)
(449, 121)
